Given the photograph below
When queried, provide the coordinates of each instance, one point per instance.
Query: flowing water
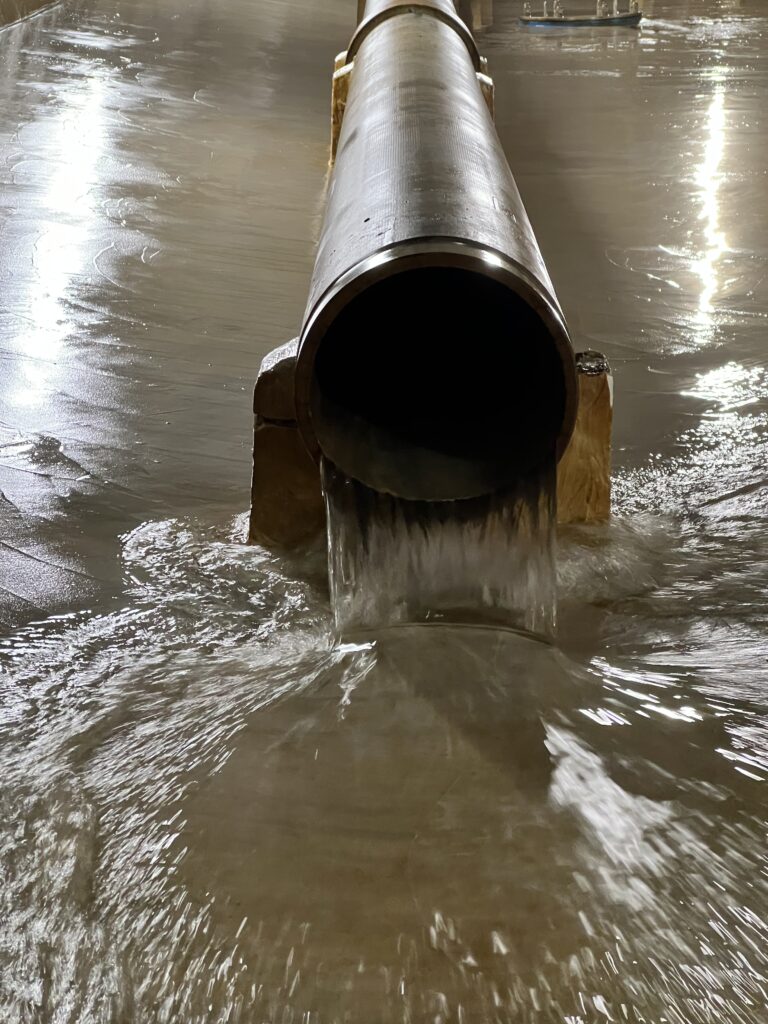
(209, 812)
(488, 560)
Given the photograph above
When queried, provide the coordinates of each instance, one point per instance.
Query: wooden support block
(286, 498)
(273, 396)
(584, 473)
(488, 90)
(339, 94)
(471, 12)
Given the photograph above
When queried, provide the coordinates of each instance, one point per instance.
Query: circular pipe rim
(430, 253)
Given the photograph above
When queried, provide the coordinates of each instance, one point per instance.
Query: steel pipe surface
(434, 361)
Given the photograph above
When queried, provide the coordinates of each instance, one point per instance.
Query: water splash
(488, 560)
(207, 815)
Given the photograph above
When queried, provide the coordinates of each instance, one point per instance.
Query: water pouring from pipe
(434, 374)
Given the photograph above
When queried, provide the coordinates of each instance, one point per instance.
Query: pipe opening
(438, 383)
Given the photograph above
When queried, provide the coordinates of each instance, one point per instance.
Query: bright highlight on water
(228, 794)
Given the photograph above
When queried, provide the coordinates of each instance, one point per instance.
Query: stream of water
(393, 562)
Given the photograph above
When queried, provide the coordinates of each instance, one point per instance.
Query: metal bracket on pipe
(286, 497)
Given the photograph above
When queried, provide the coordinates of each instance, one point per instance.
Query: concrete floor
(163, 169)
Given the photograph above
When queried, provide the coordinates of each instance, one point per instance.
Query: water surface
(208, 812)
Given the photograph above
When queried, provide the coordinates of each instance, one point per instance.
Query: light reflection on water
(60, 255)
(709, 177)
(209, 814)
(731, 386)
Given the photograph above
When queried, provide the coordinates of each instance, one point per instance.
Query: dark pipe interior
(438, 383)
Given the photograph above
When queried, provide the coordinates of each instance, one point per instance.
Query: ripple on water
(210, 815)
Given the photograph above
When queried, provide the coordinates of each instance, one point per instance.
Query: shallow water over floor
(209, 814)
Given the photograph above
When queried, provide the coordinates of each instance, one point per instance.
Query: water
(207, 812)
(488, 560)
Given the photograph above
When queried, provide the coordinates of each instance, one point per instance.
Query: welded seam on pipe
(430, 8)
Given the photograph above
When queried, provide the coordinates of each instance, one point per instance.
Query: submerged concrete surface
(163, 174)
(162, 171)
(206, 814)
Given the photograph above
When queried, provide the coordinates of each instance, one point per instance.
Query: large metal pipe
(434, 361)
